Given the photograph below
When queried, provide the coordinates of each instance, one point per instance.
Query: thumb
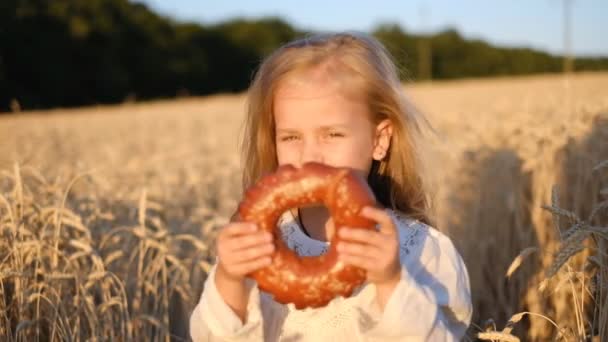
(387, 226)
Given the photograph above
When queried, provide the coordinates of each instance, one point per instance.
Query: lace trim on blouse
(410, 232)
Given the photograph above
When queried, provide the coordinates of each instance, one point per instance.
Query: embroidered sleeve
(432, 299)
(213, 320)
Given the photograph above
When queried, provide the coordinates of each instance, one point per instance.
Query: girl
(337, 99)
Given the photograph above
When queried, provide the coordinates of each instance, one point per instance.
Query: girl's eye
(335, 135)
(288, 138)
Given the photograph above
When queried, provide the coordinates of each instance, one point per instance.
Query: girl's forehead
(301, 88)
(317, 104)
(315, 83)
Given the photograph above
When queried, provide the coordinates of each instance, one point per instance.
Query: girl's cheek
(286, 154)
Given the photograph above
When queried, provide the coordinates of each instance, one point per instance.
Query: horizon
(540, 24)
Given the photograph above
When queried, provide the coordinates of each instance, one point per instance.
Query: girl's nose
(311, 152)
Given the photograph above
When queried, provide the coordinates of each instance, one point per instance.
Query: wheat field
(108, 214)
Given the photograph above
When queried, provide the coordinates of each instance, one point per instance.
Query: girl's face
(315, 121)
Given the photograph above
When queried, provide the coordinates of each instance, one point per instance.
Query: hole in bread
(298, 243)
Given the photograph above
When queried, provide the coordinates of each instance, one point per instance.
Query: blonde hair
(395, 180)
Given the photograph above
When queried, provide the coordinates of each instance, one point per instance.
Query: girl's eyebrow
(322, 128)
(286, 130)
(334, 126)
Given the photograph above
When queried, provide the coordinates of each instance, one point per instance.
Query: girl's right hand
(242, 248)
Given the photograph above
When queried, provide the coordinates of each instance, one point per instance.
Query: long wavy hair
(395, 180)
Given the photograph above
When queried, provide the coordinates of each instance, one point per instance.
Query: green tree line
(82, 52)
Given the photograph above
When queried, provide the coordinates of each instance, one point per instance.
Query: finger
(247, 267)
(238, 228)
(387, 226)
(248, 254)
(364, 250)
(362, 235)
(358, 261)
(246, 241)
(233, 230)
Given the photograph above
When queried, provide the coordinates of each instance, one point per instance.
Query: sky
(537, 24)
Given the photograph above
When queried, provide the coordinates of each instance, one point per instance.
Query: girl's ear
(382, 139)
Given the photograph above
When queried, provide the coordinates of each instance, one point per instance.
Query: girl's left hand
(376, 251)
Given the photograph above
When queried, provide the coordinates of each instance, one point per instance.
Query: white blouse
(431, 302)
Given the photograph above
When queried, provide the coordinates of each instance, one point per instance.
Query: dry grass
(107, 219)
